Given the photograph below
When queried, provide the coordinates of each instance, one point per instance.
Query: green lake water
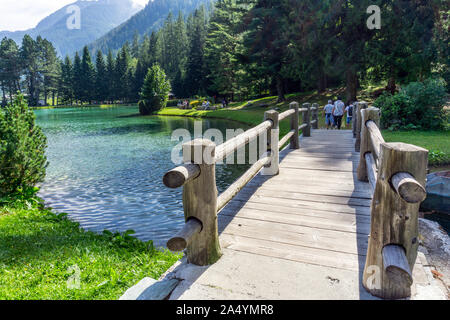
(106, 169)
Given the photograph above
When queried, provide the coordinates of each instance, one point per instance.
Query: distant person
(338, 113)
(328, 112)
(349, 112)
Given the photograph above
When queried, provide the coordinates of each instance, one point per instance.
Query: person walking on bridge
(338, 113)
(328, 112)
(349, 111)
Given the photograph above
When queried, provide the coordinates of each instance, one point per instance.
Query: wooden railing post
(295, 143)
(307, 120)
(315, 116)
(393, 241)
(357, 123)
(200, 203)
(365, 146)
(273, 138)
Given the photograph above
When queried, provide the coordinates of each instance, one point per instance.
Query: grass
(41, 254)
(437, 142)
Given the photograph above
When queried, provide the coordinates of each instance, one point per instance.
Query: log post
(315, 116)
(272, 168)
(307, 120)
(357, 122)
(200, 202)
(394, 224)
(366, 115)
(295, 143)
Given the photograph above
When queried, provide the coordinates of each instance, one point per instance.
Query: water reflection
(106, 169)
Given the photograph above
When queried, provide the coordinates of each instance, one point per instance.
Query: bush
(155, 91)
(22, 148)
(419, 105)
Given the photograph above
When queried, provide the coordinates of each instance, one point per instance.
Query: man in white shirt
(338, 113)
(328, 112)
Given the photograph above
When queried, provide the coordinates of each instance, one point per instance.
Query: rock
(150, 289)
(437, 245)
(438, 190)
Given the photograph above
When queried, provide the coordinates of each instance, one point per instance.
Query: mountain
(96, 19)
(151, 18)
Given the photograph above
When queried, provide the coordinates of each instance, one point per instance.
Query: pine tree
(101, 80)
(29, 53)
(111, 76)
(77, 78)
(155, 91)
(265, 41)
(195, 73)
(10, 68)
(221, 48)
(22, 160)
(66, 85)
(87, 76)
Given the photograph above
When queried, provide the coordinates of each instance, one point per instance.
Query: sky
(25, 14)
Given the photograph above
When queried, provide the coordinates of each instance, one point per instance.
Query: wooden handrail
(234, 189)
(286, 138)
(376, 138)
(181, 175)
(371, 170)
(286, 114)
(241, 140)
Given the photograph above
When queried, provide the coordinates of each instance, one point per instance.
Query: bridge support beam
(295, 143)
(315, 116)
(357, 123)
(273, 168)
(307, 120)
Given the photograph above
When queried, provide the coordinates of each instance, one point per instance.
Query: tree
(50, 69)
(155, 91)
(123, 86)
(10, 68)
(29, 54)
(22, 145)
(66, 91)
(195, 72)
(403, 50)
(111, 76)
(87, 76)
(265, 41)
(101, 79)
(77, 78)
(221, 48)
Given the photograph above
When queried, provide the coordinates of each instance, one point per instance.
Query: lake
(106, 169)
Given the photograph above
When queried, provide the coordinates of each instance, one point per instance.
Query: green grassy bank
(46, 256)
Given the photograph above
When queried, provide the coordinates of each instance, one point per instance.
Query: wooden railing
(197, 176)
(397, 175)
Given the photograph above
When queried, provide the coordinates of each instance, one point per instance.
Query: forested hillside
(97, 18)
(242, 49)
(151, 18)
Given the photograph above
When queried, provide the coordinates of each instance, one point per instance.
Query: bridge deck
(299, 235)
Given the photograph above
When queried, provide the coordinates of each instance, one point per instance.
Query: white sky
(25, 14)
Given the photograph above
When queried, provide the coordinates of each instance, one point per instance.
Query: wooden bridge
(296, 225)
